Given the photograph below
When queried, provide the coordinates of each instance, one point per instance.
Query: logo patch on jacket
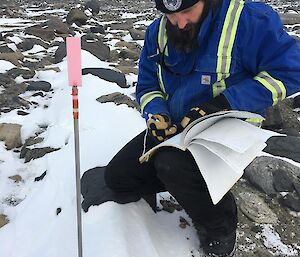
(205, 79)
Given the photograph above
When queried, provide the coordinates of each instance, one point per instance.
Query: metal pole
(77, 165)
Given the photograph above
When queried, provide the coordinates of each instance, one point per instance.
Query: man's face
(191, 15)
(183, 27)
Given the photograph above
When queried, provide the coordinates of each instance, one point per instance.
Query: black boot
(216, 245)
(151, 200)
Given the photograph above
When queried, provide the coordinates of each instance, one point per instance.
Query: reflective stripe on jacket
(243, 53)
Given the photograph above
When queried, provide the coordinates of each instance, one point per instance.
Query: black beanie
(171, 6)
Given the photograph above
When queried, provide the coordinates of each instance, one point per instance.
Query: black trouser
(173, 170)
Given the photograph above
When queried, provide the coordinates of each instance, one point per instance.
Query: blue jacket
(243, 53)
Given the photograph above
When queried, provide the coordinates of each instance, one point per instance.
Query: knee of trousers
(111, 178)
(167, 166)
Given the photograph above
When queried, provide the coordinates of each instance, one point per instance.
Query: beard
(186, 40)
(183, 40)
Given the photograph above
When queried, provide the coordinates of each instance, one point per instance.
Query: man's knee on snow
(111, 179)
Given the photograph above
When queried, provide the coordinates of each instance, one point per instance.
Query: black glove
(219, 103)
(160, 127)
(95, 191)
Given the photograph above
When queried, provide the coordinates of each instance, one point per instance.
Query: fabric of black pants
(173, 170)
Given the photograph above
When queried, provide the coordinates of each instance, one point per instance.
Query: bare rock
(129, 54)
(46, 34)
(77, 16)
(57, 25)
(25, 73)
(282, 116)
(14, 58)
(16, 178)
(289, 18)
(96, 48)
(29, 142)
(291, 201)
(39, 86)
(36, 153)
(100, 50)
(99, 29)
(107, 74)
(93, 6)
(3, 220)
(60, 53)
(118, 99)
(283, 181)
(262, 170)
(284, 146)
(11, 135)
(255, 208)
(137, 34)
(296, 102)
(28, 44)
(126, 25)
(41, 177)
(127, 69)
(5, 49)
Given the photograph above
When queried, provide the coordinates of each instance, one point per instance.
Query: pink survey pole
(75, 80)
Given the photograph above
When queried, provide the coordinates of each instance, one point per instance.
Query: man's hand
(160, 127)
(217, 104)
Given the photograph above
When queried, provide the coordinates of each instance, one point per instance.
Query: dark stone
(46, 34)
(283, 181)
(282, 116)
(26, 74)
(5, 49)
(297, 39)
(127, 25)
(60, 53)
(289, 18)
(296, 102)
(137, 34)
(290, 132)
(22, 113)
(38, 153)
(38, 94)
(76, 16)
(99, 29)
(6, 80)
(297, 185)
(40, 177)
(288, 147)
(28, 142)
(273, 118)
(107, 74)
(291, 202)
(167, 206)
(260, 172)
(118, 99)
(93, 5)
(130, 54)
(28, 44)
(98, 49)
(57, 25)
(58, 211)
(39, 86)
(256, 229)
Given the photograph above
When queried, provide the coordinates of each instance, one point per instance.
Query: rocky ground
(32, 35)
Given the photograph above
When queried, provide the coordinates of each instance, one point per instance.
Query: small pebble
(58, 211)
